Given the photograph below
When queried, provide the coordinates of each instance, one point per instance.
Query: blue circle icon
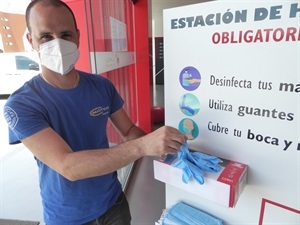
(190, 78)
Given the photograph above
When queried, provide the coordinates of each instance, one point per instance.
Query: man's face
(48, 23)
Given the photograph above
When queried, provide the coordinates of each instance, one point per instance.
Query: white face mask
(59, 55)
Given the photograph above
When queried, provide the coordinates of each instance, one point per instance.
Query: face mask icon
(186, 130)
(189, 128)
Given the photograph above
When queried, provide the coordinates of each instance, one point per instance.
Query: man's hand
(165, 140)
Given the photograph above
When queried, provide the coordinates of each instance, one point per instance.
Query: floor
(20, 197)
(19, 190)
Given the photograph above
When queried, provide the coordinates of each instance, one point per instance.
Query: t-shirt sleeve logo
(11, 117)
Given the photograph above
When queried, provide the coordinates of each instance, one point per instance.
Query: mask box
(223, 187)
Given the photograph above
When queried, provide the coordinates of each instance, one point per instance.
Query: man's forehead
(42, 7)
(42, 16)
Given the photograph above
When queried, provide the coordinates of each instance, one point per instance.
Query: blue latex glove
(194, 164)
(189, 171)
(186, 173)
(183, 214)
(206, 162)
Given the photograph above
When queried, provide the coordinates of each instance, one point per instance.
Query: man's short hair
(55, 3)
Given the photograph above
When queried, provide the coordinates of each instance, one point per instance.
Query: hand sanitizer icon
(185, 78)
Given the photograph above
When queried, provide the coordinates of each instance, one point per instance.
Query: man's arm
(124, 125)
(52, 150)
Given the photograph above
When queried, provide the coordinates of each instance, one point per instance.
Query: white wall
(272, 191)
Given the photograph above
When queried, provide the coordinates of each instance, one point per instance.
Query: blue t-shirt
(79, 116)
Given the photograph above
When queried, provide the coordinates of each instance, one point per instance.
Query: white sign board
(232, 84)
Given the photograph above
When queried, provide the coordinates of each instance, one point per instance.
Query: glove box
(223, 187)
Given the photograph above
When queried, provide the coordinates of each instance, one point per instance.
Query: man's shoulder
(89, 75)
(95, 78)
(23, 94)
(21, 89)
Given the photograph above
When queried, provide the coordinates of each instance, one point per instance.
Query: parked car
(15, 69)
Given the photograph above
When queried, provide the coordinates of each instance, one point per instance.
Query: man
(61, 115)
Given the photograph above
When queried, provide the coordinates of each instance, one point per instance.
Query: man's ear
(29, 38)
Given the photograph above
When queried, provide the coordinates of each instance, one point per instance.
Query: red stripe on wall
(132, 82)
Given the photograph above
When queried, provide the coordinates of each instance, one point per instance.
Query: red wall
(133, 81)
(78, 8)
